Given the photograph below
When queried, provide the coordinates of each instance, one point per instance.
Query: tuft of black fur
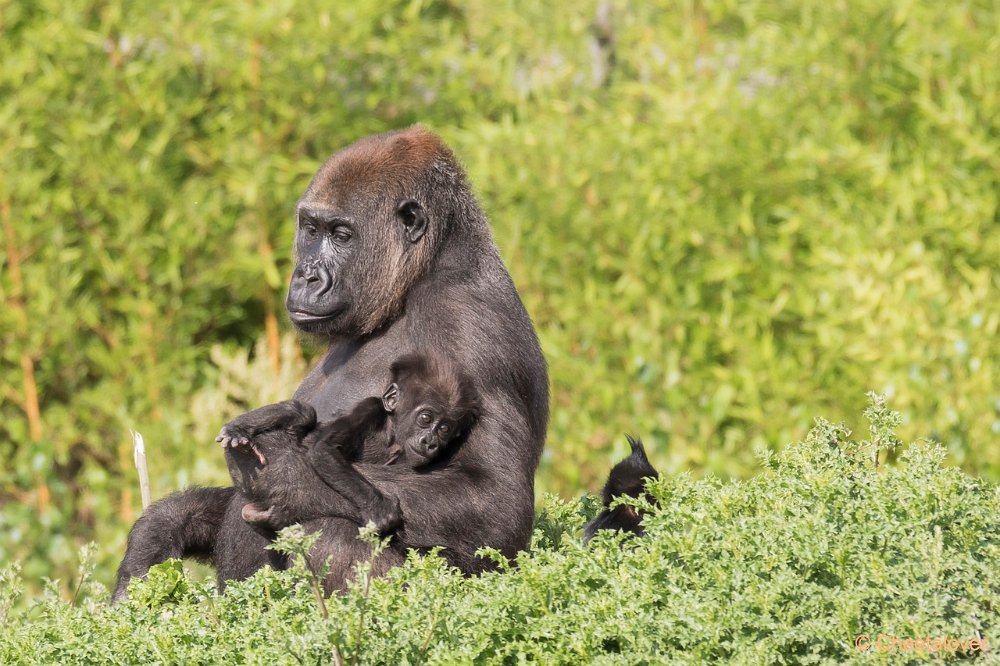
(627, 479)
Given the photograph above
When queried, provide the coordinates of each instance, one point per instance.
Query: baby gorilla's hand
(384, 513)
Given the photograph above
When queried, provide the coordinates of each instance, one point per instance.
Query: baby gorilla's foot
(234, 437)
(256, 515)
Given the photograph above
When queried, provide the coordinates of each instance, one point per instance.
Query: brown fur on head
(371, 182)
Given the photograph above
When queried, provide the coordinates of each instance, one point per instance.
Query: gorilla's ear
(414, 219)
(390, 398)
(467, 422)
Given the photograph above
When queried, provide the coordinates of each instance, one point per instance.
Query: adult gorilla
(395, 257)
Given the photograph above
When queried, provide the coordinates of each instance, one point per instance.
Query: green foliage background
(765, 209)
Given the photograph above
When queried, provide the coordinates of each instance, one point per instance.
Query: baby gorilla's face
(430, 405)
(425, 432)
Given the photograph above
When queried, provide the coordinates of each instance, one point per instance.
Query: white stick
(139, 454)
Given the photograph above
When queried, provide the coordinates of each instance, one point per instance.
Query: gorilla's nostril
(309, 271)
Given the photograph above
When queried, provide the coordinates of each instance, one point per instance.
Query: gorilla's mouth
(307, 317)
(417, 454)
(301, 316)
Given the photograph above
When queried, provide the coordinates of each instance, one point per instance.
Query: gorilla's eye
(341, 234)
(425, 418)
(444, 429)
(310, 230)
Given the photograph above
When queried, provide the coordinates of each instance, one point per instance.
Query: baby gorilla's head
(431, 404)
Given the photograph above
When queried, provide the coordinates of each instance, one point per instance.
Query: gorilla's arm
(479, 496)
(459, 504)
(460, 508)
(350, 435)
(343, 441)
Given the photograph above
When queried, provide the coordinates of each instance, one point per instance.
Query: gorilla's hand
(384, 512)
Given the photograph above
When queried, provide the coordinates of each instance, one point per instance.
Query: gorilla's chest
(351, 372)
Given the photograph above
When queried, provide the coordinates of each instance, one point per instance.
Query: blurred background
(726, 218)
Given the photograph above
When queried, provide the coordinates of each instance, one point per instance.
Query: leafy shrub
(790, 566)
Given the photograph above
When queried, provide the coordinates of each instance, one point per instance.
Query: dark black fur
(270, 452)
(192, 523)
(395, 257)
(627, 478)
(423, 414)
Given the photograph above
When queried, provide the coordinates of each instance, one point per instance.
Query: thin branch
(139, 455)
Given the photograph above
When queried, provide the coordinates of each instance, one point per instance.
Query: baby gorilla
(290, 470)
(287, 470)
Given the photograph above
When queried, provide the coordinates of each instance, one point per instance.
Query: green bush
(763, 211)
(790, 566)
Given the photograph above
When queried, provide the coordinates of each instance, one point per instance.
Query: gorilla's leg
(184, 524)
(340, 548)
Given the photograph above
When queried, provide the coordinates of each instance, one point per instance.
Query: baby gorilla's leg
(298, 418)
(297, 491)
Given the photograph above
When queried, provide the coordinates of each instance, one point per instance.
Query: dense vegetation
(752, 213)
(799, 564)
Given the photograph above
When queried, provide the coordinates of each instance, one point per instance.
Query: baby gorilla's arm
(338, 444)
(302, 494)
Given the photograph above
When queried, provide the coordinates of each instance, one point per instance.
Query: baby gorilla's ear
(467, 422)
(390, 398)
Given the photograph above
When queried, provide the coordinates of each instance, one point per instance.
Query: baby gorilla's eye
(444, 429)
(425, 418)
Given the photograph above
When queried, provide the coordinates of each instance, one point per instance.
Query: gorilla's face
(326, 244)
(363, 238)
